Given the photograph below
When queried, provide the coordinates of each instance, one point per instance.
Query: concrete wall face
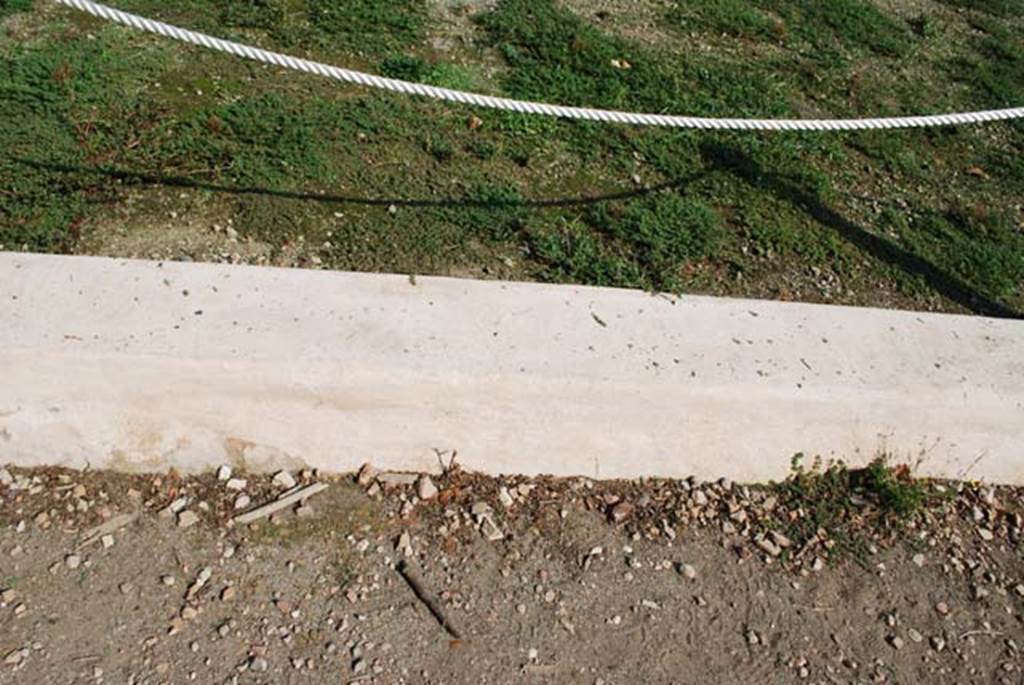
(144, 365)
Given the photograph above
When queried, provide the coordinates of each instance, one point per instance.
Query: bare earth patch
(561, 581)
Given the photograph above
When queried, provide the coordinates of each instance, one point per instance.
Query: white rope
(562, 111)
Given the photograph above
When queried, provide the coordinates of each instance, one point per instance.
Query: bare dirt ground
(543, 581)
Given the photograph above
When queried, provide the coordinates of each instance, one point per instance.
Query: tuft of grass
(995, 72)
(412, 68)
(850, 507)
(571, 252)
(405, 67)
(368, 26)
(836, 27)
(982, 247)
(895, 491)
(998, 8)
(12, 6)
(555, 56)
(492, 211)
(660, 233)
(731, 17)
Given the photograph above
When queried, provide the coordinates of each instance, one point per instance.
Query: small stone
(620, 512)
(304, 511)
(393, 479)
(937, 643)
(367, 474)
(72, 561)
(780, 540)
(15, 656)
(174, 507)
(283, 479)
(490, 529)
(258, 664)
(201, 580)
(818, 564)
(914, 635)
(752, 638)
(242, 501)
(919, 560)
(404, 544)
(480, 509)
(7, 595)
(188, 612)
(236, 484)
(768, 546)
(187, 518)
(20, 609)
(986, 534)
(425, 488)
(5, 477)
(505, 497)
(1019, 589)
(224, 472)
(108, 541)
(228, 593)
(896, 641)
(167, 579)
(942, 608)
(687, 571)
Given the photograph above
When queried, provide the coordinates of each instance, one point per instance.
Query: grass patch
(115, 124)
(850, 507)
(998, 8)
(12, 6)
(555, 56)
(659, 234)
(363, 28)
(412, 68)
(368, 26)
(983, 248)
(731, 17)
(832, 29)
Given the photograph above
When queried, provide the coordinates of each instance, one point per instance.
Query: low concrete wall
(143, 365)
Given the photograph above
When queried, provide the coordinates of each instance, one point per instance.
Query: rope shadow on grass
(719, 158)
(146, 178)
(948, 285)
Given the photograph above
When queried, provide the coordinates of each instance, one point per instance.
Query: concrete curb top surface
(144, 366)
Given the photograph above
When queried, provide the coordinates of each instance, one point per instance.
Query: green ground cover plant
(108, 136)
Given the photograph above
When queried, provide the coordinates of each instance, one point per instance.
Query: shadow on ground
(718, 158)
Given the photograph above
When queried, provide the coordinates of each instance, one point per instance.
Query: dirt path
(564, 593)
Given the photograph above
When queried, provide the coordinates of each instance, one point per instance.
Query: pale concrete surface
(143, 365)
